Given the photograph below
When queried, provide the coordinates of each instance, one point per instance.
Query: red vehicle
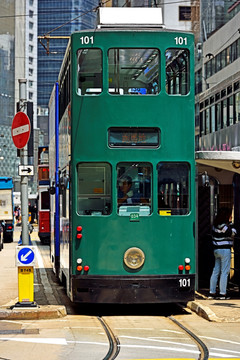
(43, 196)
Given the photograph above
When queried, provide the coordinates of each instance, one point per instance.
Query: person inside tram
(222, 238)
(125, 192)
(127, 195)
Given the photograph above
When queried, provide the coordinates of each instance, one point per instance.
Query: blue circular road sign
(26, 256)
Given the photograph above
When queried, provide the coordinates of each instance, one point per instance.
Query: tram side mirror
(52, 190)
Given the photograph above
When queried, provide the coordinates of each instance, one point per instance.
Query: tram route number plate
(134, 217)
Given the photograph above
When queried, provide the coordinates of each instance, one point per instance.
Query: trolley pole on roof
(24, 162)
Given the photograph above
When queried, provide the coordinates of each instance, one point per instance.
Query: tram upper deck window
(134, 193)
(133, 71)
(89, 62)
(177, 71)
(94, 189)
(173, 188)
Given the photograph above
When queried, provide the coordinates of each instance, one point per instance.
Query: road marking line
(231, 351)
(50, 341)
(161, 348)
(161, 341)
(221, 340)
(221, 356)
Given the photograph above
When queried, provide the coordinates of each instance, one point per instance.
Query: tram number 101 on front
(184, 283)
(179, 40)
(86, 40)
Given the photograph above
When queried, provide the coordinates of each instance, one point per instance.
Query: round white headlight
(134, 258)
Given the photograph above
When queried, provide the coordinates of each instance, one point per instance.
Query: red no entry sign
(20, 130)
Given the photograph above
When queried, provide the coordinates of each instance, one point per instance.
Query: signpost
(20, 134)
(21, 129)
(25, 259)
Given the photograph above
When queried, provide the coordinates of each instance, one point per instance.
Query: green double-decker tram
(126, 167)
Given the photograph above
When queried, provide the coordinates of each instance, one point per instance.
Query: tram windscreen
(177, 71)
(134, 71)
(173, 188)
(134, 188)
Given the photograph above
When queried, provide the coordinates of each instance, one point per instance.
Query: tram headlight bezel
(134, 258)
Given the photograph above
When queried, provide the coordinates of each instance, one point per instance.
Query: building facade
(18, 60)
(217, 134)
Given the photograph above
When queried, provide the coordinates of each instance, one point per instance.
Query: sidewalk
(9, 286)
(212, 310)
(217, 310)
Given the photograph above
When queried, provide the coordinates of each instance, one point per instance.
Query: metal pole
(24, 161)
(57, 209)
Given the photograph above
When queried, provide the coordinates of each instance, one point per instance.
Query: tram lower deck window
(173, 188)
(134, 186)
(94, 189)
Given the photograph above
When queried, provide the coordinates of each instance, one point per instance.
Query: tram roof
(226, 160)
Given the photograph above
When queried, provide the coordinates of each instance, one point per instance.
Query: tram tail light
(79, 230)
(187, 265)
(86, 268)
(180, 269)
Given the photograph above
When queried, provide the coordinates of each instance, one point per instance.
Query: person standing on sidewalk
(222, 239)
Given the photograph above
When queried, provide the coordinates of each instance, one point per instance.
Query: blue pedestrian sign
(25, 255)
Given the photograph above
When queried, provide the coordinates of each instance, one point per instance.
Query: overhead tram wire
(48, 37)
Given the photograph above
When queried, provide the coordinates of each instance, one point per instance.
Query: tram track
(115, 346)
(204, 353)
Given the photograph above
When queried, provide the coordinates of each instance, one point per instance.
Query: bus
(122, 168)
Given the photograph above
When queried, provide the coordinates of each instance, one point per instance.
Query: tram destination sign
(134, 137)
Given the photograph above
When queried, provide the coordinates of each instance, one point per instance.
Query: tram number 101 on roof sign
(179, 40)
(85, 40)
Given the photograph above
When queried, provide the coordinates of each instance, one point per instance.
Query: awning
(227, 160)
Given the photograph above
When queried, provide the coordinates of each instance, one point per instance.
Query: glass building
(54, 19)
(215, 14)
(7, 88)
